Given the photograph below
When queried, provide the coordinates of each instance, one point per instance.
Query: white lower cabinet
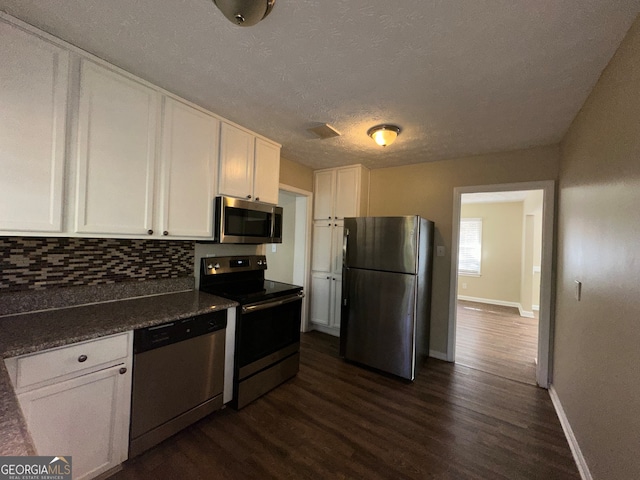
(79, 412)
(326, 276)
(326, 297)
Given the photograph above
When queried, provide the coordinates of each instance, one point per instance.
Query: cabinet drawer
(39, 367)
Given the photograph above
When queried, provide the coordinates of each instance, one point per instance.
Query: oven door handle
(254, 307)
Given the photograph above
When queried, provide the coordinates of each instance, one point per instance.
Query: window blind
(470, 248)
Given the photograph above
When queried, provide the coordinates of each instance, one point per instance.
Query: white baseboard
(438, 355)
(502, 303)
(581, 463)
(324, 329)
(524, 313)
(489, 301)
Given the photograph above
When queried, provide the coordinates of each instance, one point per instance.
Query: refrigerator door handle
(345, 237)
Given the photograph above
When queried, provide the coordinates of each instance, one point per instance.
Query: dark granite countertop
(32, 332)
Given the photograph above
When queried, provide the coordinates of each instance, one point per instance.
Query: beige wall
(296, 175)
(530, 284)
(597, 340)
(280, 262)
(501, 252)
(426, 189)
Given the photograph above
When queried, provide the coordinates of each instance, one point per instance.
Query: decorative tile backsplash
(42, 263)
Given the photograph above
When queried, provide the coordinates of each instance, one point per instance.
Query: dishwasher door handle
(254, 307)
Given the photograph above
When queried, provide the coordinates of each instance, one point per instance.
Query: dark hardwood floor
(337, 420)
(497, 340)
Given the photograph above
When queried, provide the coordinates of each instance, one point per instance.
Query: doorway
(289, 261)
(500, 304)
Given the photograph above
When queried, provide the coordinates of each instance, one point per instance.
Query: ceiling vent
(324, 131)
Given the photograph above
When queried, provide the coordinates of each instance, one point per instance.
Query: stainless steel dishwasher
(178, 377)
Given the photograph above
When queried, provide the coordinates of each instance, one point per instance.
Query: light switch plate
(274, 248)
(440, 250)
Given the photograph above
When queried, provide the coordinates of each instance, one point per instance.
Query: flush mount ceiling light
(245, 12)
(384, 135)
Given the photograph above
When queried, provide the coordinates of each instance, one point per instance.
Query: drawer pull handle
(82, 358)
(123, 370)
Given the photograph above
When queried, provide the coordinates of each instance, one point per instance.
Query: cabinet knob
(150, 232)
(82, 358)
(123, 370)
(329, 218)
(165, 233)
(257, 199)
(333, 279)
(248, 196)
(328, 278)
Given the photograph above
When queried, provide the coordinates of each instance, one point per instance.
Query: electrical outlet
(464, 285)
(274, 248)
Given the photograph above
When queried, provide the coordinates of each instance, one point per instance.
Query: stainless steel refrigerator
(386, 292)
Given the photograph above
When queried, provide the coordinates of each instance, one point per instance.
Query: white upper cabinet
(340, 192)
(324, 182)
(249, 166)
(347, 195)
(116, 153)
(266, 178)
(33, 106)
(188, 170)
(87, 149)
(236, 162)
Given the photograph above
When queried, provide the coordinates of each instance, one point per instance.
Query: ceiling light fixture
(245, 12)
(384, 135)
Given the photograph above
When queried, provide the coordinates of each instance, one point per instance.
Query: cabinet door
(323, 195)
(320, 298)
(266, 178)
(116, 153)
(236, 162)
(321, 259)
(34, 78)
(188, 159)
(336, 300)
(337, 241)
(347, 192)
(86, 417)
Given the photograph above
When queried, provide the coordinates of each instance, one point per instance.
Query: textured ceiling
(459, 77)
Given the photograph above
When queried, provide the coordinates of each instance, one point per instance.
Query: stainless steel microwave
(240, 221)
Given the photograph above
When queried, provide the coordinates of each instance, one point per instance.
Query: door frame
(304, 324)
(547, 277)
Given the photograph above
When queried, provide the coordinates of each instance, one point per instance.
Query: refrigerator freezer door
(378, 329)
(382, 243)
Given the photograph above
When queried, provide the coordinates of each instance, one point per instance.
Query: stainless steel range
(267, 333)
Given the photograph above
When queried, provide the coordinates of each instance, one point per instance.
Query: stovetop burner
(241, 279)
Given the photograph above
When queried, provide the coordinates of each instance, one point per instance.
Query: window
(470, 248)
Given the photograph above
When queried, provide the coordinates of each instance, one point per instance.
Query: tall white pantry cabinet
(338, 193)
